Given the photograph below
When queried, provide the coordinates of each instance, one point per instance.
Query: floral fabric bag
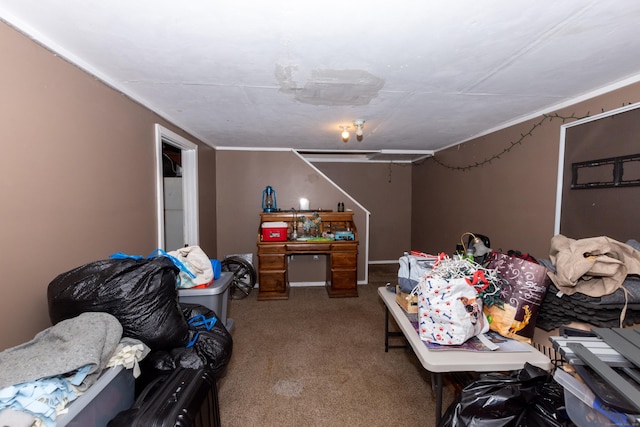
(449, 310)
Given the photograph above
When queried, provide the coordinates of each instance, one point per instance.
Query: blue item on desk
(344, 235)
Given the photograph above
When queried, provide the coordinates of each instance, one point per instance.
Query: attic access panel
(365, 156)
(622, 171)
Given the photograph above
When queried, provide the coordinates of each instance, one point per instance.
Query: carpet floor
(317, 361)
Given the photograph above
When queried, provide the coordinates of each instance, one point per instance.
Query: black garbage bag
(526, 398)
(211, 345)
(140, 293)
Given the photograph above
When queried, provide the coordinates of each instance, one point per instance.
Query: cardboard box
(274, 231)
(408, 304)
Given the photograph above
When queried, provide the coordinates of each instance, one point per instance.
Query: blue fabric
(39, 397)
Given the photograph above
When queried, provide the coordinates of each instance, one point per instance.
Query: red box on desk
(274, 231)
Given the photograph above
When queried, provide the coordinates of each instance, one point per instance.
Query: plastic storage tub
(112, 393)
(274, 231)
(583, 408)
(215, 297)
(583, 415)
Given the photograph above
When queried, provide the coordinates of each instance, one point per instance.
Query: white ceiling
(423, 74)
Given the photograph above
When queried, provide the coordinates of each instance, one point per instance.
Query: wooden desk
(440, 362)
(342, 268)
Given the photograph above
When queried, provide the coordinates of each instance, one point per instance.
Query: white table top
(459, 361)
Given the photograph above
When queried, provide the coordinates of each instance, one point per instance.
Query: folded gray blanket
(89, 339)
(618, 298)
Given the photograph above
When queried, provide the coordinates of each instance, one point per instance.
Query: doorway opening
(176, 190)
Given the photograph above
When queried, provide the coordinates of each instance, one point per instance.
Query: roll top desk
(342, 265)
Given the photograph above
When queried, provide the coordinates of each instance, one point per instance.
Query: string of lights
(512, 144)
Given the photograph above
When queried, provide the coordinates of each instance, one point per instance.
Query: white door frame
(189, 185)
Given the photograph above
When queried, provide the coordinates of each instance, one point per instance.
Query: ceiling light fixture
(345, 132)
(359, 124)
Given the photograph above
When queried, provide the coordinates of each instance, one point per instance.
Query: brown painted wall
(241, 177)
(207, 200)
(77, 183)
(77, 179)
(385, 190)
(510, 199)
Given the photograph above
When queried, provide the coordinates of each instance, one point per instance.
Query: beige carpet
(318, 361)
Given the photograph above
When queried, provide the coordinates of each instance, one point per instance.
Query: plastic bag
(212, 347)
(140, 293)
(412, 269)
(198, 264)
(216, 265)
(525, 398)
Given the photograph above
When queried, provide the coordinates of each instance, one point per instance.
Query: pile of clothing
(41, 377)
(100, 311)
(594, 280)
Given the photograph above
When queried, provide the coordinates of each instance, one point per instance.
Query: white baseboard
(393, 261)
(294, 284)
(303, 284)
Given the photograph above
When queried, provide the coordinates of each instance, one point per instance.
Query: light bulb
(345, 133)
(359, 124)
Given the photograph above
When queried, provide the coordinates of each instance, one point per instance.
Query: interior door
(176, 190)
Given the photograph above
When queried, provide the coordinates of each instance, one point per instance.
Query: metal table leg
(388, 334)
(435, 376)
(438, 378)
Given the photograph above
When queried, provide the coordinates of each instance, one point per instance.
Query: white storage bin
(113, 393)
(214, 297)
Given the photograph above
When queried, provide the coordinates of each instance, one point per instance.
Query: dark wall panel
(609, 212)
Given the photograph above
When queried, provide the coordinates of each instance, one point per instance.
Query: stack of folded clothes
(612, 310)
(604, 312)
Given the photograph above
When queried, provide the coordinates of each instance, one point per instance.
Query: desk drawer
(343, 260)
(271, 262)
(345, 247)
(272, 282)
(270, 249)
(308, 247)
(344, 279)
